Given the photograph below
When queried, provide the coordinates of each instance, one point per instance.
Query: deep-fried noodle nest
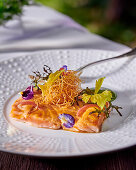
(64, 90)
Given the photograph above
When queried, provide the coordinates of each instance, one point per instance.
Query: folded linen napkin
(41, 28)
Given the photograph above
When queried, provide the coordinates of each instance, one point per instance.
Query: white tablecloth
(42, 28)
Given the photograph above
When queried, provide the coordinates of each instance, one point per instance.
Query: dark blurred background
(113, 19)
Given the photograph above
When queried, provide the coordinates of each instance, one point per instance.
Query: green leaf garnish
(98, 84)
(101, 98)
(52, 78)
(87, 91)
(97, 97)
(114, 95)
(86, 97)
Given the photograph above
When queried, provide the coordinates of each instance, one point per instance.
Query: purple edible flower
(28, 93)
(67, 120)
(65, 67)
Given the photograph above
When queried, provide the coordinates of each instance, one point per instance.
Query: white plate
(117, 132)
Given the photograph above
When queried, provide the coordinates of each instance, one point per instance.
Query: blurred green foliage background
(9, 8)
(113, 19)
(97, 16)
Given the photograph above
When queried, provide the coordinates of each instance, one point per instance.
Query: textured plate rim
(71, 154)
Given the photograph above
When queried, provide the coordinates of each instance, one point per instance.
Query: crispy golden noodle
(64, 89)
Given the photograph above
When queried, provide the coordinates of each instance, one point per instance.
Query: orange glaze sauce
(37, 113)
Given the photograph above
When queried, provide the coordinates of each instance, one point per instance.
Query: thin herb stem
(37, 77)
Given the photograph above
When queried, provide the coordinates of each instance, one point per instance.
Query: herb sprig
(40, 77)
(107, 110)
